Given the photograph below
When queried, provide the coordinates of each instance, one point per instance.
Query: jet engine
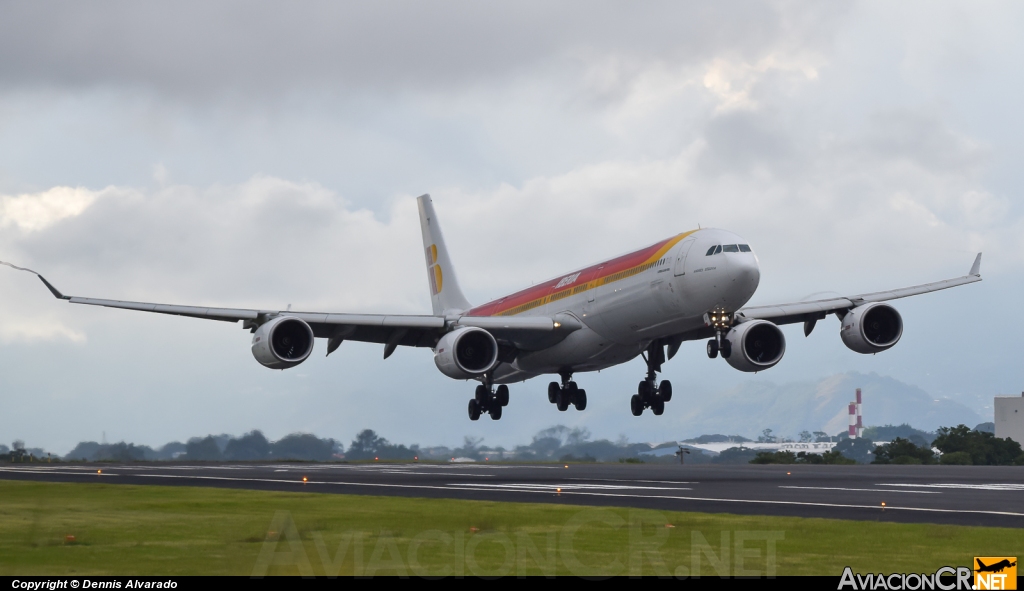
(871, 328)
(466, 353)
(282, 342)
(756, 345)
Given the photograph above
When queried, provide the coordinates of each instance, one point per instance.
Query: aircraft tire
(502, 395)
(553, 389)
(712, 349)
(481, 395)
(636, 406)
(496, 412)
(579, 400)
(474, 409)
(563, 400)
(658, 407)
(726, 349)
(665, 390)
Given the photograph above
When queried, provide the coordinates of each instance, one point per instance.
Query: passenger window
(731, 248)
(744, 248)
(711, 251)
(718, 249)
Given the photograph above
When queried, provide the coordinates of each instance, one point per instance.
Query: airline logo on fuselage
(567, 280)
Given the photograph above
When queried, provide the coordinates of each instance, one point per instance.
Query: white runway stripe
(956, 485)
(886, 490)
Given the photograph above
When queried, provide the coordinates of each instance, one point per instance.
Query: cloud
(32, 212)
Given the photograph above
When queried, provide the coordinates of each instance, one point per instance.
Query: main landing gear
(486, 401)
(650, 394)
(566, 393)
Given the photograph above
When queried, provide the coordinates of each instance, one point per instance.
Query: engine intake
(466, 353)
(282, 342)
(871, 328)
(756, 345)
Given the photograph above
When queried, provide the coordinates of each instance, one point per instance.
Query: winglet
(976, 267)
(56, 293)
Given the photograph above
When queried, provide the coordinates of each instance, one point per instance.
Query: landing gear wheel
(553, 390)
(658, 406)
(580, 400)
(502, 395)
(726, 349)
(644, 390)
(562, 401)
(496, 412)
(712, 349)
(665, 390)
(636, 406)
(481, 395)
(474, 409)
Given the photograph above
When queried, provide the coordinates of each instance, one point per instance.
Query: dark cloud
(269, 47)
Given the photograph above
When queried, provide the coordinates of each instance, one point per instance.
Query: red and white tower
(853, 420)
(860, 419)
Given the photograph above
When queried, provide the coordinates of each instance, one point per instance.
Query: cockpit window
(718, 249)
(731, 248)
(744, 248)
(711, 251)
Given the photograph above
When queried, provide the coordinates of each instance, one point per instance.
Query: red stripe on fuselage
(592, 274)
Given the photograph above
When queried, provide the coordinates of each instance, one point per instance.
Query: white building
(1009, 411)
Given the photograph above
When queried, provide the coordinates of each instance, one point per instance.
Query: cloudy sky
(264, 154)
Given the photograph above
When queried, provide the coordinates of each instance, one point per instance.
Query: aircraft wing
(814, 310)
(392, 330)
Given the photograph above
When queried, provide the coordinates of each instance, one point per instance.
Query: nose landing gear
(566, 393)
(721, 320)
(651, 394)
(487, 401)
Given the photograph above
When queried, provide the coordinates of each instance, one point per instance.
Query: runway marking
(627, 480)
(920, 492)
(531, 487)
(991, 486)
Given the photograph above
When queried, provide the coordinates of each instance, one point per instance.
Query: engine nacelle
(282, 342)
(871, 328)
(466, 353)
(756, 345)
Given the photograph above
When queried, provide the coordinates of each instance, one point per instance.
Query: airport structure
(1009, 419)
(856, 420)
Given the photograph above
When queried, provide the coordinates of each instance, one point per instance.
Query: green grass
(154, 530)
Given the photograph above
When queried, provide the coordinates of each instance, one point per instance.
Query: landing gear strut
(566, 393)
(486, 400)
(651, 394)
(721, 320)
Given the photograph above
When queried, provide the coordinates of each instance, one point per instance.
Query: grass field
(120, 529)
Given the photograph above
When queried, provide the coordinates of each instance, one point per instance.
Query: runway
(964, 495)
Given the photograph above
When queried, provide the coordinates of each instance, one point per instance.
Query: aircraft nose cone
(745, 274)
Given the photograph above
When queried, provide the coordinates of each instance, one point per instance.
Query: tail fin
(445, 294)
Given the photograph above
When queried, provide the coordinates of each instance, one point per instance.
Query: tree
(984, 448)
(859, 450)
(806, 437)
(251, 446)
(903, 451)
(366, 445)
(766, 437)
(821, 436)
(18, 444)
(204, 449)
(302, 446)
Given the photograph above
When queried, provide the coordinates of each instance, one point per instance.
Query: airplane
(646, 303)
(994, 568)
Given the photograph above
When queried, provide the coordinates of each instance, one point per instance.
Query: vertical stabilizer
(445, 294)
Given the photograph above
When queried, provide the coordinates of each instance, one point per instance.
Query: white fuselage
(665, 294)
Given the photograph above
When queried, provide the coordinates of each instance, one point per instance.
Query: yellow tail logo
(434, 270)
